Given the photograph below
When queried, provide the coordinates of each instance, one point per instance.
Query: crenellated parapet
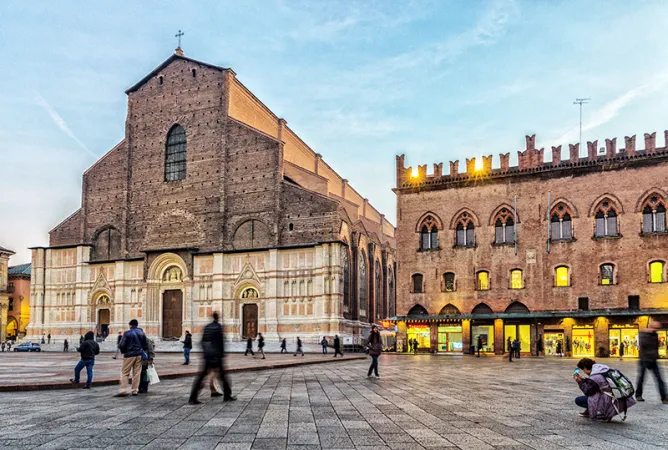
(531, 160)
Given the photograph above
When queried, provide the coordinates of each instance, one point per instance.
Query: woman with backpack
(375, 346)
(599, 400)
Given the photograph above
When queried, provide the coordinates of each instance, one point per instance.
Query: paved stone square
(419, 402)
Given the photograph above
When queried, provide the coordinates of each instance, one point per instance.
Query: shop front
(553, 343)
(419, 332)
(519, 331)
(624, 341)
(582, 343)
(449, 338)
(484, 329)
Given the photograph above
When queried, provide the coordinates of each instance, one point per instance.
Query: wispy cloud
(60, 122)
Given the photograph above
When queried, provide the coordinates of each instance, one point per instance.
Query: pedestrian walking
(118, 345)
(187, 346)
(337, 346)
(66, 346)
(416, 346)
(479, 345)
(516, 348)
(3, 346)
(43, 340)
(145, 364)
(214, 353)
(509, 345)
(134, 347)
(88, 349)
(49, 337)
(260, 344)
(9, 346)
(284, 346)
(649, 353)
(324, 345)
(621, 350)
(375, 346)
(249, 347)
(559, 349)
(299, 347)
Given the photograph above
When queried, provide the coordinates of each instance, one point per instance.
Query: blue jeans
(186, 354)
(374, 365)
(88, 364)
(581, 401)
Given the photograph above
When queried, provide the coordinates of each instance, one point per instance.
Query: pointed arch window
(504, 227)
(561, 225)
(363, 281)
(465, 231)
(175, 154)
(390, 291)
(378, 290)
(654, 215)
(429, 234)
(346, 278)
(606, 220)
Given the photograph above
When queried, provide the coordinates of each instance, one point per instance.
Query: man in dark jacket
(249, 347)
(337, 346)
(649, 353)
(479, 345)
(214, 353)
(187, 346)
(133, 346)
(88, 350)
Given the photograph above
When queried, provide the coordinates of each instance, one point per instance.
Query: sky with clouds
(359, 81)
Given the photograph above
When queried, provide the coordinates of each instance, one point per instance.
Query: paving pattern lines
(421, 402)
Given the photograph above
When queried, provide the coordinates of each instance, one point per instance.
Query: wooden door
(172, 313)
(250, 321)
(104, 318)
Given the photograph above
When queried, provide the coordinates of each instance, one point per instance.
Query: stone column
(4, 307)
(433, 337)
(271, 292)
(601, 334)
(499, 343)
(402, 337)
(466, 334)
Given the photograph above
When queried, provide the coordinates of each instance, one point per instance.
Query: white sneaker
(377, 377)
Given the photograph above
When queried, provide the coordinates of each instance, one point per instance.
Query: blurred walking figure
(187, 346)
(516, 348)
(88, 349)
(249, 347)
(299, 347)
(145, 380)
(337, 346)
(621, 350)
(66, 345)
(649, 353)
(118, 345)
(375, 346)
(324, 345)
(260, 344)
(214, 353)
(479, 345)
(284, 346)
(49, 338)
(134, 347)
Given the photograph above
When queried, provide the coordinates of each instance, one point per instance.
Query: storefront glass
(419, 332)
(625, 339)
(449, 338)
(521, 332)
(554, 343)
(583, 341)
(487, 333)
(662, 343)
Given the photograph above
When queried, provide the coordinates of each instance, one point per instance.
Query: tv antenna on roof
(581, 101)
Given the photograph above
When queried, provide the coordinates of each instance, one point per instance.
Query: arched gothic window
(504, 227)
(429, 234)
(363, 281)
(654, 215)
(561, 228)
(175, 154)
(465, 233)
(606, 220)
(390, 291)
(346, 278)
(378, 290)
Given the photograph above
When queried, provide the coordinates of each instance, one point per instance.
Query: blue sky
(359, 81)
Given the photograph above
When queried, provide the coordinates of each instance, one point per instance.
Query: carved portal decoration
(173, 274)
(103, 300)
(250, 293)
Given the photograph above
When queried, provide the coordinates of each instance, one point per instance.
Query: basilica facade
(212, 203)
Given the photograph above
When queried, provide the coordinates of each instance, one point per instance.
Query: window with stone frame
(504, 227)
(657, 272)
(428, 234)
(562, 276)
(607, 274)
(175, 154)
(654, 215)
(561, 224)
(482, 281)
(362, 282)
(465, 231)
(417, 283)
(606, 220)
(449, 282)
(516, 279)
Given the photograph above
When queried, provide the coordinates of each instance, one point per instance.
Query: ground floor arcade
(590, 333)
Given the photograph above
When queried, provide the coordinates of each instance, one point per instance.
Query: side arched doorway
(172, 303)
(249, 314)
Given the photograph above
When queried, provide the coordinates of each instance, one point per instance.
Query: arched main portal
(172, 304)
(249, 313)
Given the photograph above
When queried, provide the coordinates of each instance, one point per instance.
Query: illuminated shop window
(483, 281)
(656, 272)
(561, 276)
(607, 274)
(516, 279)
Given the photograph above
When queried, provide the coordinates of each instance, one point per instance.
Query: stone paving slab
(40, 371)
(419, 403)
